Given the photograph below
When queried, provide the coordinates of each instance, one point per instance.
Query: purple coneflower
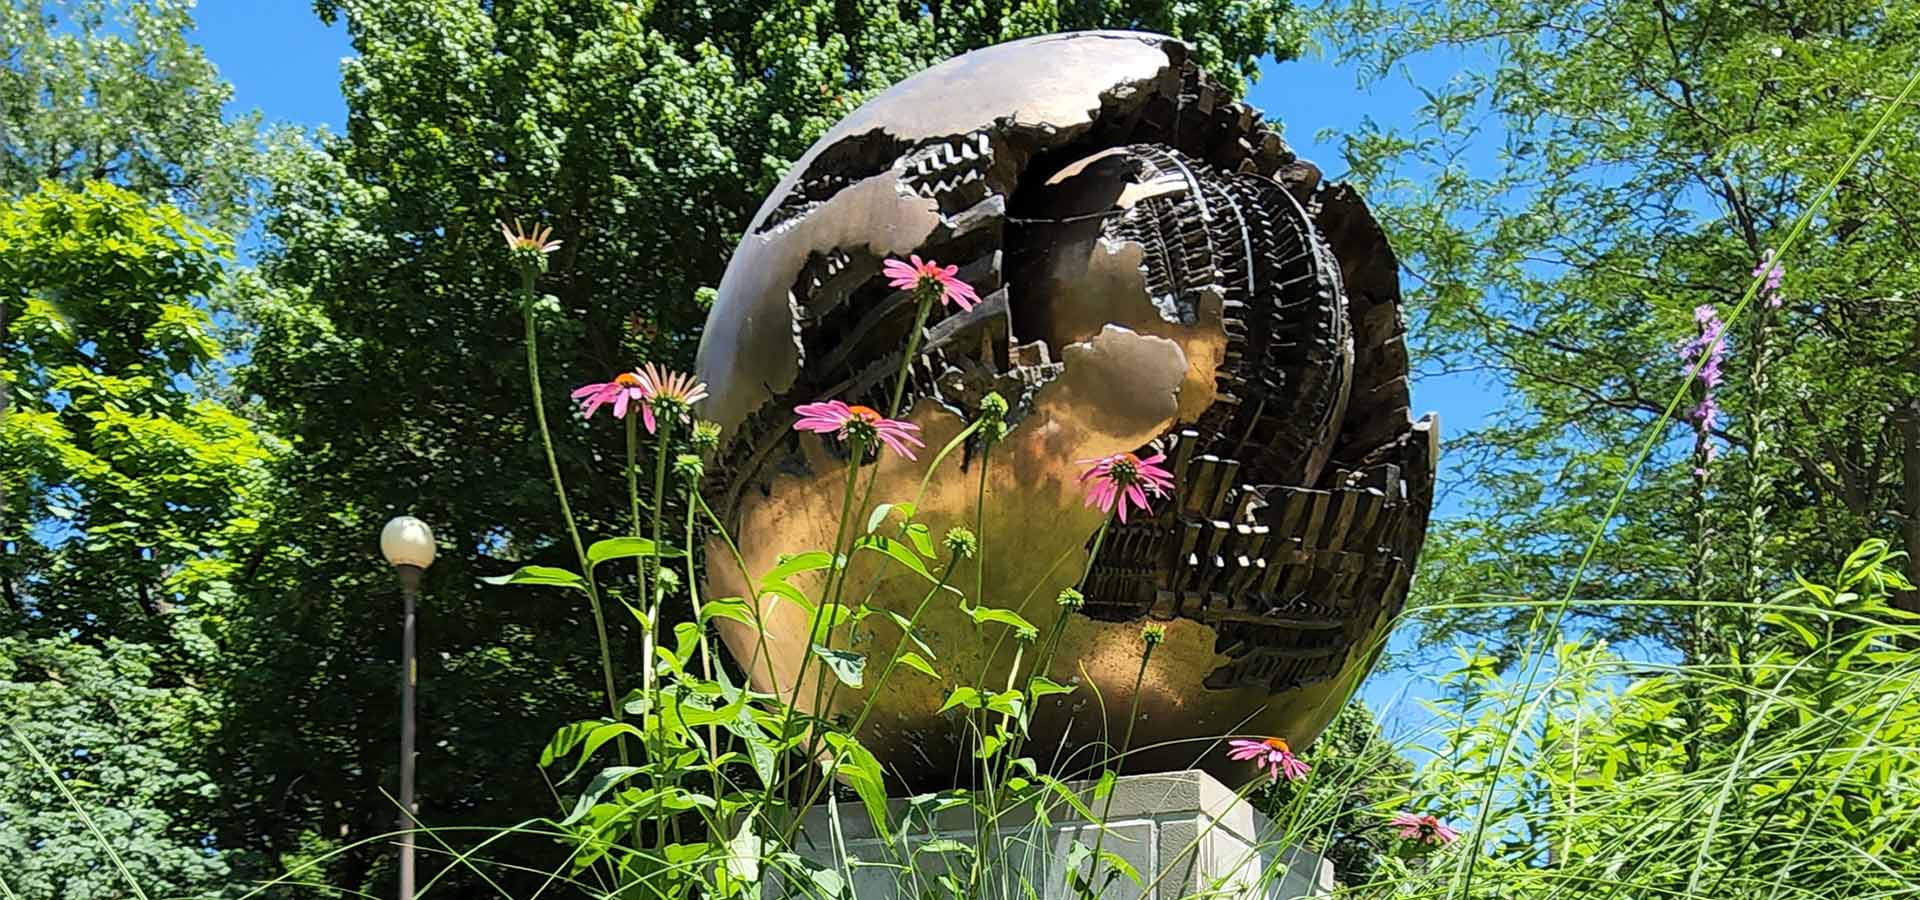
(1123, 478)
(1271, 754)
(1425, 829)
(623, 389)
(538, 240)
(839, 419)
(918, 274)
(670, 394)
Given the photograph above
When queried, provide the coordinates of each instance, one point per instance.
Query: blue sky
(283, 62)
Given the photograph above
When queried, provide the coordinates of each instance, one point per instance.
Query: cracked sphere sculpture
(1157, 271)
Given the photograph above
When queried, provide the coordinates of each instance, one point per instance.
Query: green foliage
(127, 490)
(1360, 780)
(115, 90)
(130, 747)
(1648, 155)
(1798, 780)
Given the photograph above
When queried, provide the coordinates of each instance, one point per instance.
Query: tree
(646, 135)
(1651, 155)
(125, 494)
(129, 743)
(114, 90)
(124, 487)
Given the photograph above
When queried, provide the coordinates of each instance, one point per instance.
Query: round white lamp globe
(407, 541)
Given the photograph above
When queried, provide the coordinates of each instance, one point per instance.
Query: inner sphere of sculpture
(1158, 273)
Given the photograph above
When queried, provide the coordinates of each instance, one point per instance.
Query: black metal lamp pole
(408, 546)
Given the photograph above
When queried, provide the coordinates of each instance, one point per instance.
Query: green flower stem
(1126, 744)
(823, 692)
(856, 449)
(900, 384)
(938, 458)
(633, 503)
(1098, 538)
(740, 564)
(566, 509)
(1043, 660)
(650, 610)
(650, 628)
(693, 598)
(980, 525)
(866, 708)
(925, 296)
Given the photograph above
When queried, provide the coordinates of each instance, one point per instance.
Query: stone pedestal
(1185, 833)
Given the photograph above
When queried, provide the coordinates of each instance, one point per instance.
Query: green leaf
(1011, 703)
(1119, 865)
(899, 553)
(726, 608)
(543, 576)
(862, 771)
(961, 696)
(921, 539)
(849, 667)
(602, 781)
(626, 548)
(913, 661)
(984, 614)
(598, 738)
(906, 629)
(812, 560)
(942, 846)
(1041, 686)
(878, 516)
(568, 737)
(828, 884)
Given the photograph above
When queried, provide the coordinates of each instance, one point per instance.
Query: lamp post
(407, 543)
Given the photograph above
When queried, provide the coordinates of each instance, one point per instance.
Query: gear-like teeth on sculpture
(951, 171)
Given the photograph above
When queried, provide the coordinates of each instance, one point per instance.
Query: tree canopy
(1650, 155)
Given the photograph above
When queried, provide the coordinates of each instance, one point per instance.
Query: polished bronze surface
(1158, 272)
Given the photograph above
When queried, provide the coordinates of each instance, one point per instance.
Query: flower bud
(962, 543)
(1071, 599)
(993, 417)
(706, 436)
(689, 467)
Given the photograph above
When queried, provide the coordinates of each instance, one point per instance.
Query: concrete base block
(1185, 833)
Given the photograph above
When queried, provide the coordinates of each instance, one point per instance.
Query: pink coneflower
(866, 423)
(537, 240)
(1425, 829)
(671, 394)
(1271, 754)
(931, 275)
(623, 389)
(1124, 478)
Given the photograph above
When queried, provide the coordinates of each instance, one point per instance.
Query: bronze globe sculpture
(1157, 270)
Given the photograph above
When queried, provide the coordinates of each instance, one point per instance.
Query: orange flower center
(865, 414)
(1278, 744)
(627, 379)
